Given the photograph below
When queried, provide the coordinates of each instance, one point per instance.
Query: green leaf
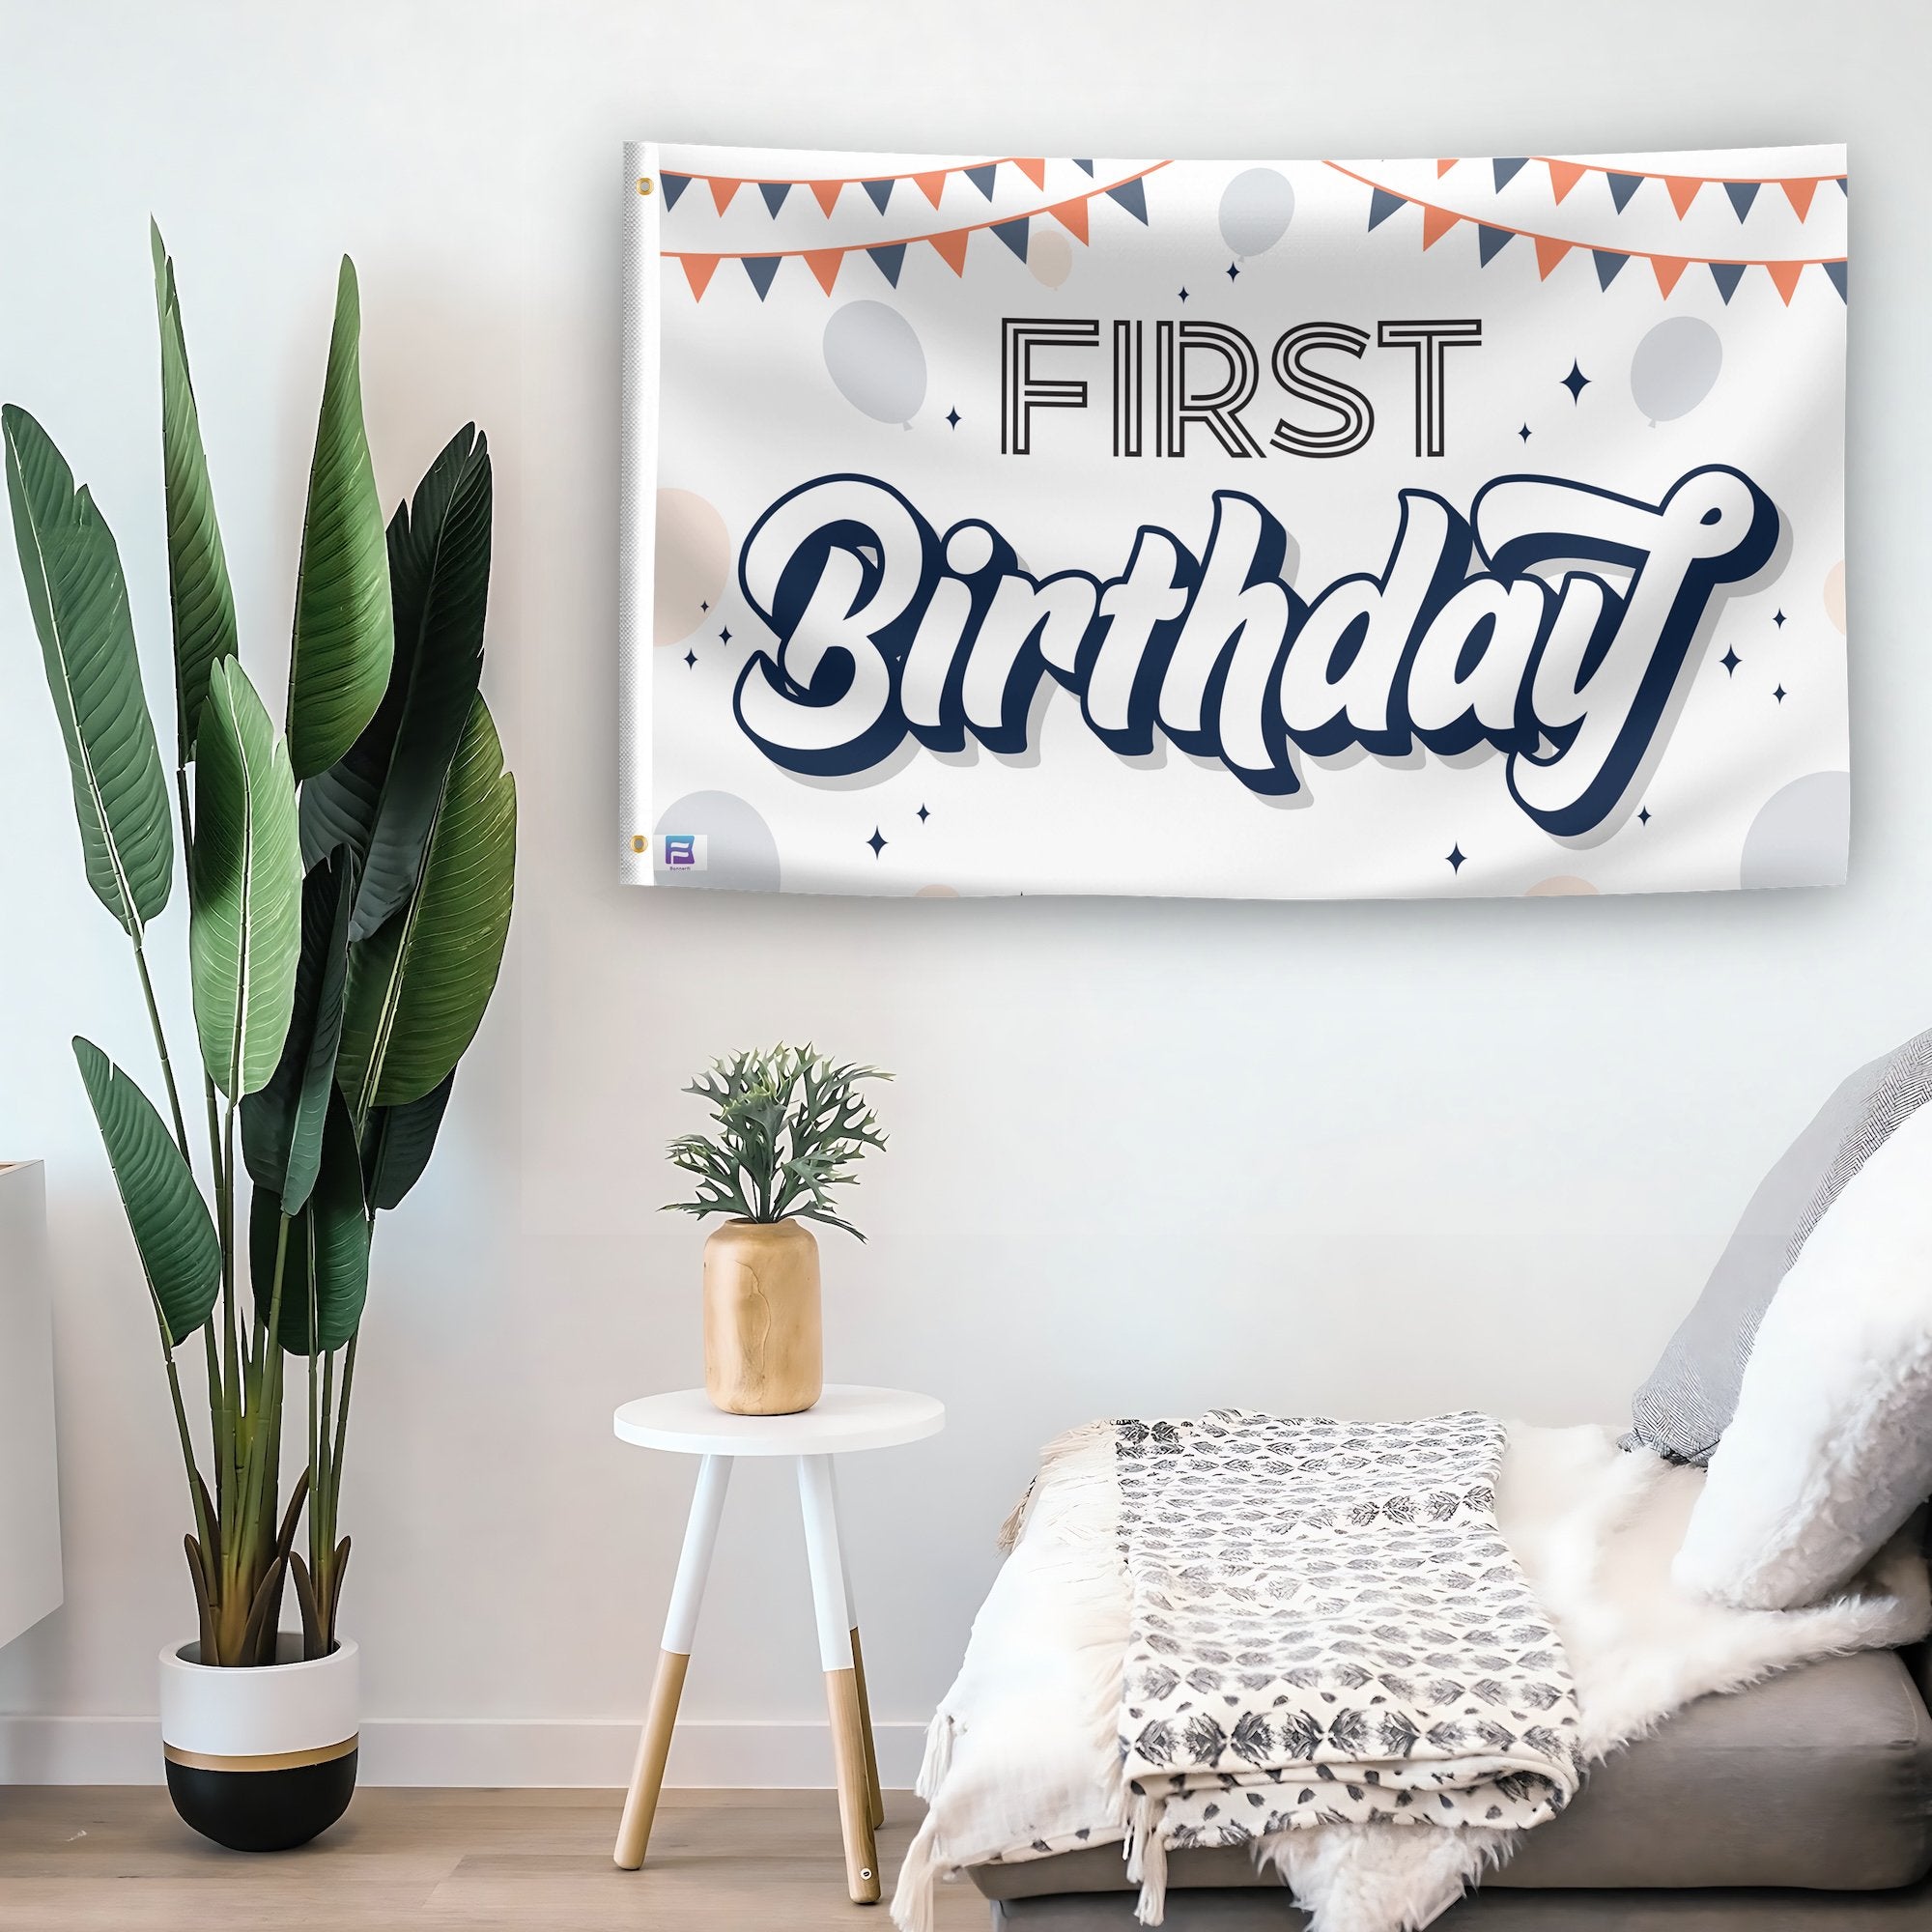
(198, 590)
(173, 1233)
(246, 882)
(281, 1126)
(418, 987)
(344, 636)
(79, 601)
(325, 1264)
(397, 1144)
(380, 797)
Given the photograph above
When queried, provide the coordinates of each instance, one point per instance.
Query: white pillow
(1831, 1448)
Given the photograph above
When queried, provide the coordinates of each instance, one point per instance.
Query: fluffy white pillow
(1831, 1448)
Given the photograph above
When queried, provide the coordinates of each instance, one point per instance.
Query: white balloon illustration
(875, 357)
(1050, 257)
(1256, 208)
(1675, 366)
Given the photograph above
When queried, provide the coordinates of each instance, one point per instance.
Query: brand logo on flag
(683, 851)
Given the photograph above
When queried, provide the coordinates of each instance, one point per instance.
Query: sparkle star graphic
(1183, 294)
(1730, 660)
(1524, 432)
(1576, 382)
(1457, 858)
(691, 657)
(923, 815)
(725, 636)
(1232, 271)
(1643, 815)
(952, 416)
(877, 842)
(1779, 620)
(1780, 693)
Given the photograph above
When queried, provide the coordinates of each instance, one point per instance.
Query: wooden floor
(74, 1860)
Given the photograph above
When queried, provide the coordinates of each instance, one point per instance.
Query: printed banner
(1287, 529)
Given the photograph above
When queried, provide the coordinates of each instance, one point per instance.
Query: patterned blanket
(1327, 1627)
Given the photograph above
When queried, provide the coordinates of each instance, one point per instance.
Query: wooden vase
(764, 1348)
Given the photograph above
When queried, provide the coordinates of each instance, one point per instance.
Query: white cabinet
(30, 1558)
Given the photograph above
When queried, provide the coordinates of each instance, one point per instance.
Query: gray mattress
(1812, 1790)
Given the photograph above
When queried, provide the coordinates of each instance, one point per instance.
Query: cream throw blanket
(1023, 1757)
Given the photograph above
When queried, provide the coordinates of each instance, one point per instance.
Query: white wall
(1147, 1156)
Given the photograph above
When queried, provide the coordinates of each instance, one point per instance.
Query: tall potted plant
(349, 883)
(789, 1128)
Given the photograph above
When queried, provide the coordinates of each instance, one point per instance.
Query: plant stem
(162, 1047)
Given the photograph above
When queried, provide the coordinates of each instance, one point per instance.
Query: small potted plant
(349, 889)
(789, 1128)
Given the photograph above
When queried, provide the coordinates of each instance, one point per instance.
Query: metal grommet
(639, 842)
(643, 183)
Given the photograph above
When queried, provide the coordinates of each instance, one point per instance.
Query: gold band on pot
(268, 1761)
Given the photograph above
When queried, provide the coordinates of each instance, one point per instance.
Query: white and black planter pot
(263, 1759)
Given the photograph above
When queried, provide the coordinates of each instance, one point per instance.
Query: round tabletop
(845, 1417)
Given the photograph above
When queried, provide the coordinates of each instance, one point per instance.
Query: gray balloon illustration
(739, 851)
(1674, 367)
(875, 358)
(1800, 836)
(1256, 208)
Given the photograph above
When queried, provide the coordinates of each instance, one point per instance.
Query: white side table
(844, 1418)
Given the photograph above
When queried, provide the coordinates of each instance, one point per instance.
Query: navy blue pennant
(1609, 265)
(1490, 242)
(1727, 276)
(1089, 166)
(983, 178)
(761, 269)
(1622, 188)
(673, 187)
(1506, 170)
(775, 194)
(1382, 204)
(881, 193)
(1837, 271)
(1014, 234)
(1131, 196)
(1742, 194)
(890, 258)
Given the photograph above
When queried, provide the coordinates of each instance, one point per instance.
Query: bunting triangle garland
(826, 193)
(1492, 242)
(932, 186)
(1622, 188)
(1071, 216)
(881, 193)
(1382, 204)
(1784, 279)
(982, 179)
(1742, 194)
(1669, 269)
(774, 193)
(673, 185)
(1086, 165)
(890, 258)
(1548, 253)
(1014, 234)
(1683, 192)
(1131, 196)
(951, 248)
(761, 269)
(1506, 171)
(824, 264)
(1837, 271)
(1035, 171)
(1563, 176)
(1798, 194)
(1437, 222)
(1727, 276)
(1609, 265)
(722, 192)
(698, 271)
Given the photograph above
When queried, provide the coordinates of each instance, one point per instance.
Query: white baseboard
(479, 1752)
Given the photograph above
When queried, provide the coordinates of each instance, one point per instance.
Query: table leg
(694, 1563)
(877, 1797)
(820, 1511)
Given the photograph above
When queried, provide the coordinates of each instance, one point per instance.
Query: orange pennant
(1799, 194)
(1563, 176)
(1549, 252)
(1072, 216)
(1437, 222)
(1784, 277)
(1683, 192)
(1035, 171)
(932, 186)
(826, 194)
(698, 271)
(722, 192)
(1442, 168)
(1666, 269)
(824, 264)
(952, 248)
